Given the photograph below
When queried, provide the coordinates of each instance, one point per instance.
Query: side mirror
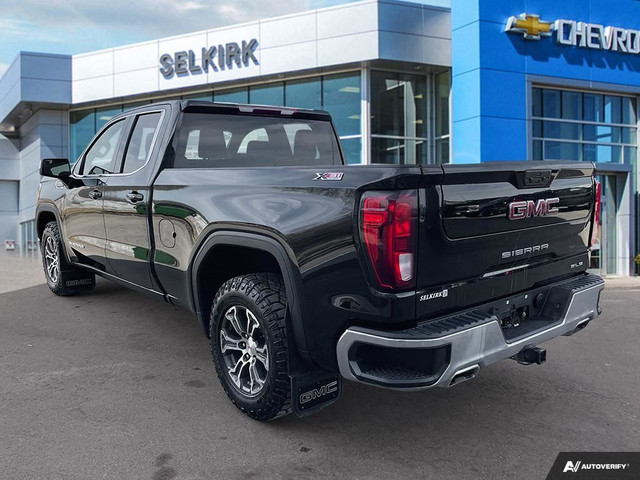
(55, 168)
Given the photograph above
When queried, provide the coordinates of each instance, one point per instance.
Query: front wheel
(62, 278)
(249, 344)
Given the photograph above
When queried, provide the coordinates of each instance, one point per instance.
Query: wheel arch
(210, 269)
(46, 213)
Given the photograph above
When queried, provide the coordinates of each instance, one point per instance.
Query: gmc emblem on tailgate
(531, 208)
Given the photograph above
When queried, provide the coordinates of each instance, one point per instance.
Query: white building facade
(382, 68)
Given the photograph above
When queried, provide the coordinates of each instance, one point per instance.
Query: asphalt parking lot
(113, 384)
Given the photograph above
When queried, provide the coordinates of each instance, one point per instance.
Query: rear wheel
(249, 344)
(62, 278)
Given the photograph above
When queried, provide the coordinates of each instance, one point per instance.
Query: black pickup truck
(304, 271)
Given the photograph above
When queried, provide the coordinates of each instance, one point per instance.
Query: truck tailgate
(500, 228)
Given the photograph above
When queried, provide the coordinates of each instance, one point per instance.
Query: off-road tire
(264, 295)
(68, 279)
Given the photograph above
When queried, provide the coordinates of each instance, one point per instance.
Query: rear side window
(141, 141)
(209, 140)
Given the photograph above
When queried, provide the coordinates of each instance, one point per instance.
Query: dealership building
(406, 83)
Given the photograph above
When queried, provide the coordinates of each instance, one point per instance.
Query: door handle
(95, 194)
(135, 197)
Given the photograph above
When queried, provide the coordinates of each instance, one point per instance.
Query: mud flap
(313, 391)
(78, 280)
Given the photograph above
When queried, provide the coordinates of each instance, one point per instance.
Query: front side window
(101, 158)
(140, 142)
(209, 140)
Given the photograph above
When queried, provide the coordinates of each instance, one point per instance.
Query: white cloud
(191, 6)
(10, 26)
(3, 68)
(149, 18)
(78, 26)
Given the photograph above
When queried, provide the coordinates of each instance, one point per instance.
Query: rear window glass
(140, 142)
(209, 140)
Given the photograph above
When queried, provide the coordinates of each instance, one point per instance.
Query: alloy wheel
(52, 259)
(244, 349)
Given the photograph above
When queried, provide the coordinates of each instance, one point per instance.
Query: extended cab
(302, 270)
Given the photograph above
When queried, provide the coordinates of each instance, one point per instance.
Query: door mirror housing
(55, 168)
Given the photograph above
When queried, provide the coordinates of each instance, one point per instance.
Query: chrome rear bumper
(462, 343)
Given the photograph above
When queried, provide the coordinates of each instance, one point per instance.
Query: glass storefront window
(103, 115)
(628, 111)
(593, 127)
(562, 150)
(612, 109)
(304, 93)
(442, 150)
(352, 149)
(341, 98)
(443, 132)
(399, 151)
(608, 224)
(82, 130)
(574, 125)
(572, 105)
(602, 134)
(204, 96)
(551, 103)
(398, 105)
(593, 108)
(29, 244)
(234, 95)
(536, 102)
(129, 106)
(630, 154)
(409, 124)
(562, 130)
(443, 91)
(399, 119)
(272, 94)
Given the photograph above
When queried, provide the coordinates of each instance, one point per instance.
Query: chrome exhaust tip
(464, 374)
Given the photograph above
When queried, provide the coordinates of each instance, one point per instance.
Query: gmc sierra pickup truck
(304, 271)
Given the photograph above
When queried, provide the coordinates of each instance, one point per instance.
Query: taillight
(596, 214)
(388, 225)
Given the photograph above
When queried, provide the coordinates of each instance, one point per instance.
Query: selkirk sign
(214, 58)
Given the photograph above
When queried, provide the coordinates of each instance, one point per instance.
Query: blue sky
(76, 26)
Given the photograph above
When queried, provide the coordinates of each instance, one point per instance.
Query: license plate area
(521, 315)
(515, 317)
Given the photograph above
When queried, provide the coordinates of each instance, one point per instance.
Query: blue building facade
(548, 80)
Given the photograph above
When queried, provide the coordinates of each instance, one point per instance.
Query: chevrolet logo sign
(530, 26)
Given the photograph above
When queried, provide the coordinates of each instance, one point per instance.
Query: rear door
(126, 197)
(499, 228)
(82, 212)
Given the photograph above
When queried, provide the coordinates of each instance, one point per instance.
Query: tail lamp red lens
(389, 229)
(596, 214)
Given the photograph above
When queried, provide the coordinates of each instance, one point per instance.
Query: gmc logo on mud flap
(77, 283)
(529, 208)
(318, 392)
